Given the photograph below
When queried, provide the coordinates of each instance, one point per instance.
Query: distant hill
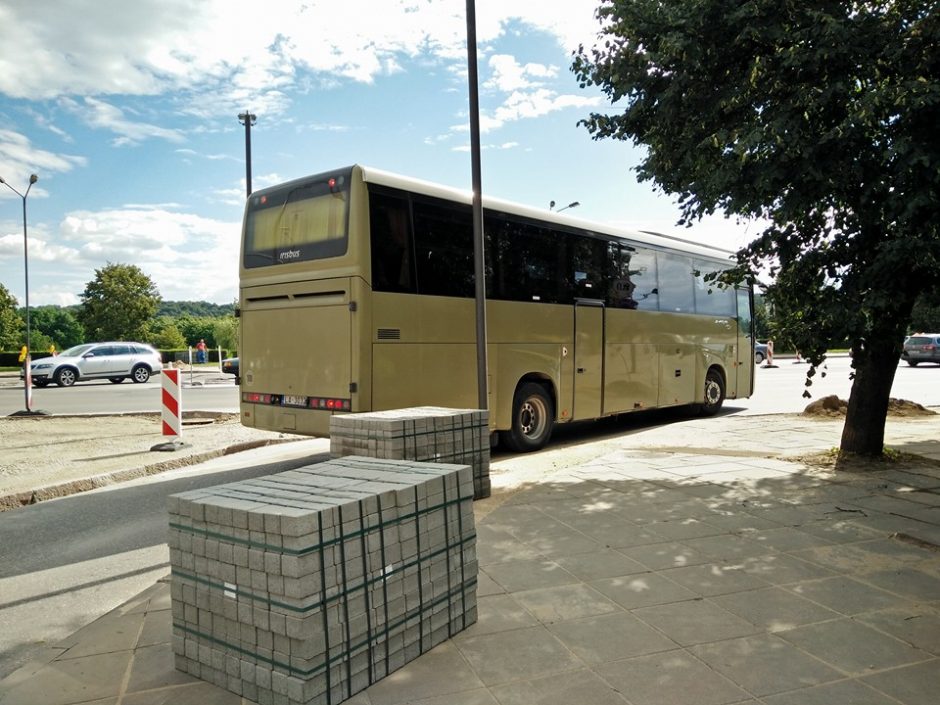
(196, 309)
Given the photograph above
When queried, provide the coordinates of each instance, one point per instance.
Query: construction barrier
(172, 404)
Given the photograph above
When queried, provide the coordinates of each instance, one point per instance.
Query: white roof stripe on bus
(428, 188)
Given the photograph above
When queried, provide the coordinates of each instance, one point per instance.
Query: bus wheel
(714, 393)
(533, 415)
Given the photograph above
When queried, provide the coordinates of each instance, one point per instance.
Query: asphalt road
(777, 390)
(102, 397)
(65, 562)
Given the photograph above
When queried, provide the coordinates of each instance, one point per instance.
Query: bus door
(588, 358)
(745, 344)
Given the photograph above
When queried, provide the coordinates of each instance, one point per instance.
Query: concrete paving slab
(765, 664)
(670, 678)
(845, 595)
(847, 691)
(643, 590)
(577, 687)
(852, 647)
(662, 555)
(917, 624)
(774, 609)
(513, 576)
(610, 637)
(715, 578)
(695, 622)
(521, 654)
(601, 564)
(911, 685)
(556, 604)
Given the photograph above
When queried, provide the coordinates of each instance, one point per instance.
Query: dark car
(230, 367)
(922, 347)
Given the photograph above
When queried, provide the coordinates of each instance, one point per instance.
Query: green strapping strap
(324, 602)
(329, 661)
(322, 544)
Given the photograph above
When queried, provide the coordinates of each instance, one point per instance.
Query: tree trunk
(864, 430)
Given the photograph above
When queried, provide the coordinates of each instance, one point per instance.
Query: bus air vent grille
(389, 334)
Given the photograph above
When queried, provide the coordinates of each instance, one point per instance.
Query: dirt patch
(833, 407)
(834, 459)
(55, 455)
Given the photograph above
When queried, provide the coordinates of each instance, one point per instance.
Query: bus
(356, 294)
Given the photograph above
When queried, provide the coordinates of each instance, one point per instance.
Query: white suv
(115, 361)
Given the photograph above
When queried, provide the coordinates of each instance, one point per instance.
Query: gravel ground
(44, 457)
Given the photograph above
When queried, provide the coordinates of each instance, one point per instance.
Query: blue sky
(127, 112)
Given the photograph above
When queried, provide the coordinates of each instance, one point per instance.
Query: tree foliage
(225, 333)
(164, 334)
(58, 325)
(118, 303)
(820, 117)
(11, 325)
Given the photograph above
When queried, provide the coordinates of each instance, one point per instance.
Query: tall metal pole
(29, 352)
(479, 254)
(247, 119)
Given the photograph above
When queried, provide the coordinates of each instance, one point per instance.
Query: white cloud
(18, 156)
(102, 115)
(510, 75)
(221, 54)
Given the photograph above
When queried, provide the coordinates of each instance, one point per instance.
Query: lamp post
(247, 119)
(27, 380)
(573, 204)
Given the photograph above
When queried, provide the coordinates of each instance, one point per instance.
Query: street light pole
(573, 204)
(247, 119)
(27, 380)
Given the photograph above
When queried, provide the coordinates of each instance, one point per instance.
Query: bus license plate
(290, 400)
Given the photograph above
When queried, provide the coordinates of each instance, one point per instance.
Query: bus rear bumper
(305, 422)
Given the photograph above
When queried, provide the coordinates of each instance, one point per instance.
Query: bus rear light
(327, 403)
(255, 398)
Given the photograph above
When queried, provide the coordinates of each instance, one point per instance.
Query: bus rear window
(302, 220)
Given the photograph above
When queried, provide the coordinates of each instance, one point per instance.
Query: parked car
(114, 361)
(922, 347)
(230, 367)
(760, 352)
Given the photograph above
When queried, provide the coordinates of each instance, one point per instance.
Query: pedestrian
(201, 351)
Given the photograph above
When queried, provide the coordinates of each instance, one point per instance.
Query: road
(777, 390)
(102, 397)
(65, 562)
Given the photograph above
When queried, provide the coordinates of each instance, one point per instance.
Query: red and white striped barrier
(172, 404)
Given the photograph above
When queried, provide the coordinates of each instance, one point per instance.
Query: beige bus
(357, 294)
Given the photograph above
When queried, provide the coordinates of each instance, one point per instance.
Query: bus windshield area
(302, 220)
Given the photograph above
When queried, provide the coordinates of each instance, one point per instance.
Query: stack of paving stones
(307, 586)
(424, 433)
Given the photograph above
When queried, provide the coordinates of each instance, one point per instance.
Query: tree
(12, 326)
(164, 334)
(820, 117)
(225, 333)
(58, 325)
(196, 328)
(118, 303)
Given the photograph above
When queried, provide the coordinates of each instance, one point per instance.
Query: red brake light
(331, 183)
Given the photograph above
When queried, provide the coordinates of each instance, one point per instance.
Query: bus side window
(676, 287)
(443, 248)
(390, 231)
(590, 272)
(711, 297)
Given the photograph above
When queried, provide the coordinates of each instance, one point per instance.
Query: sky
(127, 113)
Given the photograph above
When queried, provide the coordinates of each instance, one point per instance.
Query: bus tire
(714, 393)
(533, 416)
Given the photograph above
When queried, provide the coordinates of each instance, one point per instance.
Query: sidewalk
(698, 562)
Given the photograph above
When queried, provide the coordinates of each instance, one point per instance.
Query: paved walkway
(692, 563)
